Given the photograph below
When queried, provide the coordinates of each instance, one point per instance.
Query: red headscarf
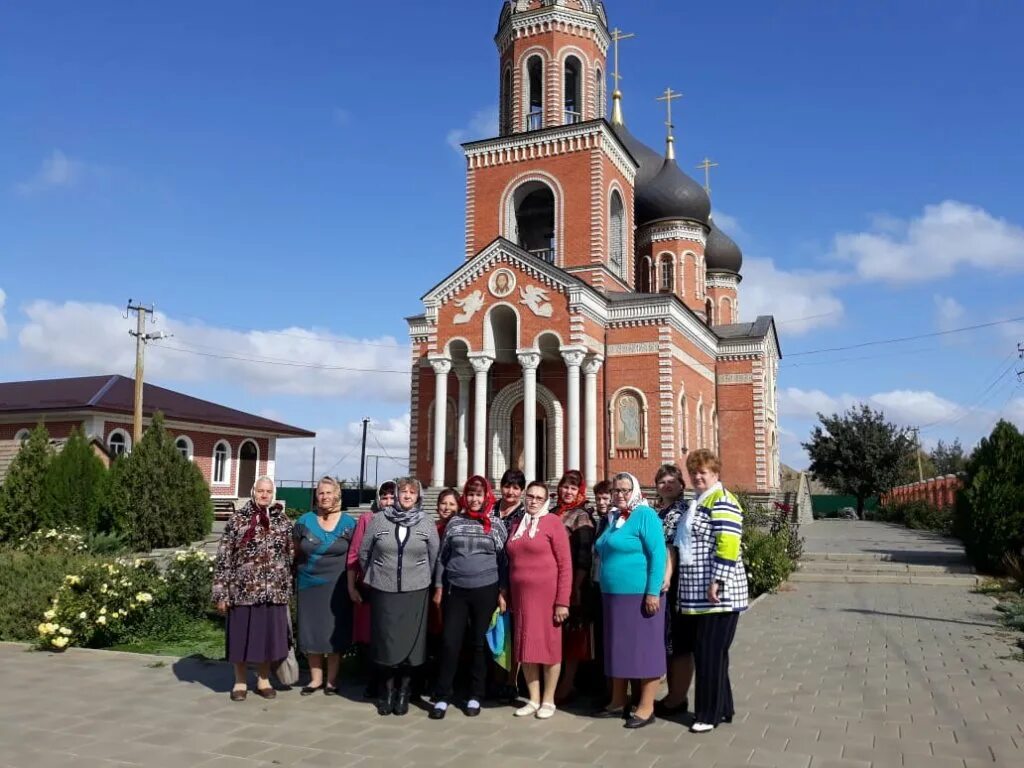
(484, 515)
(581, 495)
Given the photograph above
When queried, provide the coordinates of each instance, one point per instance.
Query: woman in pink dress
(540, 575)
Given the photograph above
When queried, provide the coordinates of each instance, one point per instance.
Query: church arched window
(599, 93)
(506, 102)
(709, 311)
(643, 274)
(627, 411)
(616, 232)
(535, 80)
(700, 426)
(666, 278)
(573, 90)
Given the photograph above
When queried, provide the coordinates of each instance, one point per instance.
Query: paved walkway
(826, 676)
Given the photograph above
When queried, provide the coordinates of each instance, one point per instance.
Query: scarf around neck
(579, 501)
(259, 517)
(683, 540)
(528, 525)
(483, 515)
(407, 518)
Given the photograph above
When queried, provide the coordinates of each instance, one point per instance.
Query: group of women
(639, 592)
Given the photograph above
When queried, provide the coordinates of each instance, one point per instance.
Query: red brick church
(594, 323)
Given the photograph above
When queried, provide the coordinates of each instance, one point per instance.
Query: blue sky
(282, 183)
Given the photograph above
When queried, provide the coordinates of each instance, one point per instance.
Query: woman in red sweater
(540, 575)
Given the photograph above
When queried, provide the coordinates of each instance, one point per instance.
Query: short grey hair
(264, 479)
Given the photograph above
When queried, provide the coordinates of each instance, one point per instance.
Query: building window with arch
(221, 463)
(119, 443)
(643, 274)
(535, 93)
(628, 413)
(700, 426)
(506, 103)
(684, 437)
(616, 232)
(533, 212)
(183, 445)
(572, 89)
(714, 431)
(599, 93)
(666, 278)
(709, 312)
(21, 435)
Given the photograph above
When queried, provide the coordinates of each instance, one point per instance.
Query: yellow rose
(83, 615)
(49, 614)
(101, 620)
(103, 610)
(44, 629)
(65, 631)
(59, 642)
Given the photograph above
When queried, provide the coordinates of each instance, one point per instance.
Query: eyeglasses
(622, 491)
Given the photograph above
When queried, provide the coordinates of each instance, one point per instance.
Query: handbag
(287, 669)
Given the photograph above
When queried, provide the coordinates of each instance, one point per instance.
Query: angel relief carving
(536, 299)
(470, 305)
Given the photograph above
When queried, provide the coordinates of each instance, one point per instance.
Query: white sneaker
(701, 727)
(530, 708)
(546, 711)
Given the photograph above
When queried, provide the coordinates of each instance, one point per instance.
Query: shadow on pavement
(990, 624)
(215, 675)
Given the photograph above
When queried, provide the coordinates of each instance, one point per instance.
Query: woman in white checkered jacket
(712, 585)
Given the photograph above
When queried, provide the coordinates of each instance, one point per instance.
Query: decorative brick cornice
(517, 26)
(666, 232)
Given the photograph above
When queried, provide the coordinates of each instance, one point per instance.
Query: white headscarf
(529, 523)
(636, 498)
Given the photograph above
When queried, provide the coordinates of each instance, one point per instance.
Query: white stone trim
(645, 442)
(127, 439)
(666, 232)
(503, 404)
(507, 214)
(580, 24)
(225, 479)
(190, 448)
(238, 474)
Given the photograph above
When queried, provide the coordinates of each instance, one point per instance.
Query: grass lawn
(204, 637)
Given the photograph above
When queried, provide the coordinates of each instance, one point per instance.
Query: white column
(574, 357)
(529, 359)
(462, 449)
(481, 365)
(590, 368)
(442, 367)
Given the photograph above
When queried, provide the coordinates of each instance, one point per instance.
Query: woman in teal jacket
(632, 554)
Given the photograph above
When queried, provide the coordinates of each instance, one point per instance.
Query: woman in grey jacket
(398, 554)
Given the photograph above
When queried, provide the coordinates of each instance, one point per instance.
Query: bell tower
(556, 181)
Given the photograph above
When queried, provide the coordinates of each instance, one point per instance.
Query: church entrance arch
(507, 429)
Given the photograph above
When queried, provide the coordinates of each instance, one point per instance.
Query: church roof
(671, 194)
(721, 254)
(115, 394)
(513, 7)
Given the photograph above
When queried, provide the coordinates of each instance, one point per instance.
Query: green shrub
(1013, 614)
(54, 541)
(918, 514)
(989, 515)
(28, 581)
(21, 496)
(766, 559)
(106, 544)
(156, 497)
(71, 492)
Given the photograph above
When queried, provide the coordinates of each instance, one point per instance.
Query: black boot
(401, 700)
(385, 695)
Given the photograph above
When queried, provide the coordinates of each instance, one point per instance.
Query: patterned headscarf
(406, 517)
(636, 498)
(530, 522)
(572, 476)
(484, 514)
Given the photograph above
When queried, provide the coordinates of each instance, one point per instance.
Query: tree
(156, 497)
(858, 453)
(949, 459)
(911, 471)
(989, 515)
(71, 495)
(21, 497)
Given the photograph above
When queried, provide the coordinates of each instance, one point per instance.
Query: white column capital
(573, 355)
(442, 365)
(481, 361)
(529, 359)
(592, 364)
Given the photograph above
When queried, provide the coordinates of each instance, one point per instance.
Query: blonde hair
(333, 482)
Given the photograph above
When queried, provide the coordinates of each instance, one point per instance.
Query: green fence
(829, 506)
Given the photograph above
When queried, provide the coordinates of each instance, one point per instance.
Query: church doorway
(248, 461)
(518, 458)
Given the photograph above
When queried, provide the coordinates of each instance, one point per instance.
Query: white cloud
(57, 171)
(93, 338)
(3, 323)
(914, 408)
(806, 296)
(949, 312)
(337, 451)
(944, 238)
(483, 125)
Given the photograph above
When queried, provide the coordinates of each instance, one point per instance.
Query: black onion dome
(721, 254)
(671, 194)
(649, 160)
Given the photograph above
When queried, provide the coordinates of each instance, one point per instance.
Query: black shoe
(609, 714)
(309, 690)
(330, 690)
(436, 713)
(384, 706)
(664, 710)
(637, 722)
(472, 711)
(401, 702)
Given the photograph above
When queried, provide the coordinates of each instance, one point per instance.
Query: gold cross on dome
(668, 97)
(617, 36)
(706, 165)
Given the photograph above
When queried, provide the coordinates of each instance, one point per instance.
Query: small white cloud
(914, 408)
(483, 125)
(57, 171)
(3, 322)
(795, 403)
(806, 296)
(949, 313)
(338, 450)
(943, 239)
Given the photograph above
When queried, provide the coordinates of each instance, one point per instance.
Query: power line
(287, 363)
(385, 450)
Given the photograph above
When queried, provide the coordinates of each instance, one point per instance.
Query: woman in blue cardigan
(632, 553)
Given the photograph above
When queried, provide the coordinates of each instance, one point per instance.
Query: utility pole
(917, 450)
(141, 339)
(362, 461)
(312, 481)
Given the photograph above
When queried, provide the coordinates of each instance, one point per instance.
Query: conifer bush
(71, 486)
(22, 494)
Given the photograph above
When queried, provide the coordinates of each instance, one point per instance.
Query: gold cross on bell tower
(706, 165)
(617, 36)
(670, 141)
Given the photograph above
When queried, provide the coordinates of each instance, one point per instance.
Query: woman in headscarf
(712, 586)
(577, 635)
(540, 573)
(322, 540)
(398, 554)
(510, 509)
(632, 552)
(466, 577)
(252, 585)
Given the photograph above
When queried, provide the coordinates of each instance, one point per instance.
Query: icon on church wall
(469, 306)
(502, 283)
(627, 422)
(537, 300)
